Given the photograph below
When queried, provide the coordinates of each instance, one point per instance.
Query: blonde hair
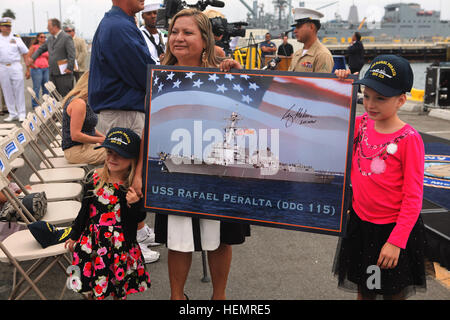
(80, 90)
(103, 174)
(213, 13)
(203, 23)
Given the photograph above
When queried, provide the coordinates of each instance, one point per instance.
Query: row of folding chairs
(38, 137)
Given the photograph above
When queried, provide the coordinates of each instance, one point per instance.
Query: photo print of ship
(256, 147)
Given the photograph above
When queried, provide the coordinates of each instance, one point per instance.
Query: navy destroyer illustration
(227, 158)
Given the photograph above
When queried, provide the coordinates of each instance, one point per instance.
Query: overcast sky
(88, 13)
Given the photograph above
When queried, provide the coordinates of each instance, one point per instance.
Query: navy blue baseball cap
(47, 234)
(124, 141)
(389, 75)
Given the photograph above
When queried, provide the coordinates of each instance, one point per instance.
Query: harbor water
(291, 205)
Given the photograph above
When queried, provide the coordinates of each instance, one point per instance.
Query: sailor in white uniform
(11, 71)
(153, 37)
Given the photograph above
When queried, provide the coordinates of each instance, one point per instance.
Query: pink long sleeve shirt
(389, 192)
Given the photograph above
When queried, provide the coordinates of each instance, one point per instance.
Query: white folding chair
(58, 212)
(56, 106)
(33, 95)
(4, 132)
(7, 126)
(48, 161)
(22, 246)
(10, 149)
(53, 114)
(33, 125)
(48, 125)
(26, 138)
(13, 150)
(53, 191)
(51, 88)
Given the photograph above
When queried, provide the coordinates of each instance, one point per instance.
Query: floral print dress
(101, 262)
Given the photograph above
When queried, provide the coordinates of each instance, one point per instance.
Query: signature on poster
(298, 116)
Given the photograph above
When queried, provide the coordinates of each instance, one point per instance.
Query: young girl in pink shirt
(382, 253)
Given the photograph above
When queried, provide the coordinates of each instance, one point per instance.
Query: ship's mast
(230, 130)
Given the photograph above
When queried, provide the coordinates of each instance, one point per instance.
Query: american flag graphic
(262, 100)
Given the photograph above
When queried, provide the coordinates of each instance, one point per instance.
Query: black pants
(63, 83)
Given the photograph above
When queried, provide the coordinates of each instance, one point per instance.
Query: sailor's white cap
(302, 15)
(6, 21)
(152, 6)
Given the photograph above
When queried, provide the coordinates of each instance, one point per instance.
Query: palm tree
(9, 13)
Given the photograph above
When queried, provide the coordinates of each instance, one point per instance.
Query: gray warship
(400, 21)
(227, 159)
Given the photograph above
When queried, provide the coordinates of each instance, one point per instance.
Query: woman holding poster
(191, 43)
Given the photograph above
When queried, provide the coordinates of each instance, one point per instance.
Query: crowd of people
(103, 125)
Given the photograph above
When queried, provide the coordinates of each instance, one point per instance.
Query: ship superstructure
(228, 158)
(401, 21)
(407, 21)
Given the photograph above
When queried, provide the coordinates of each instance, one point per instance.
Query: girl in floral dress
(107, 259)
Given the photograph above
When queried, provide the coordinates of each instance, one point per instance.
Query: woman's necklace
(382, 151)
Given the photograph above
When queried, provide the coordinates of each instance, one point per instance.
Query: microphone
(216, 3)
(290, 30)
(272, 64)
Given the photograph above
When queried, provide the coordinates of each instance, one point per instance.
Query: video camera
(221, 27)
(171, 7)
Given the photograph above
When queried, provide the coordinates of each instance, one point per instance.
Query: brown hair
(205, 27)
(36, 39)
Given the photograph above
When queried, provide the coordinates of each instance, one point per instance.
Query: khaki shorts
(85, 153)
(133, 120)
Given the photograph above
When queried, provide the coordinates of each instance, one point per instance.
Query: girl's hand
(228, 64)
(388, 258)
(342, 74)
(132, 196)
(69, 243)
(137, 185)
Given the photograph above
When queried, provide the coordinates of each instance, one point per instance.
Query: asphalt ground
(273, 264)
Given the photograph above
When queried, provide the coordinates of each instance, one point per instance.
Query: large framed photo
(258, 147)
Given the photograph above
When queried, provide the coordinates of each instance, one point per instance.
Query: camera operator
(153, 37)
(216, 18)
(220, 52)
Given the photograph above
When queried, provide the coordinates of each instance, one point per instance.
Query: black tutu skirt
(358, 252)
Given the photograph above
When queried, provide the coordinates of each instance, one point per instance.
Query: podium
(283, 65)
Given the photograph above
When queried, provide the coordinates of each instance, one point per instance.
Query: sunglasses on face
(69, 30)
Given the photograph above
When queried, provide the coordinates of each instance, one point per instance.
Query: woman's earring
(204, 58)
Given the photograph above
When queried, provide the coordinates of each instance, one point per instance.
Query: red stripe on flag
(305, 89)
